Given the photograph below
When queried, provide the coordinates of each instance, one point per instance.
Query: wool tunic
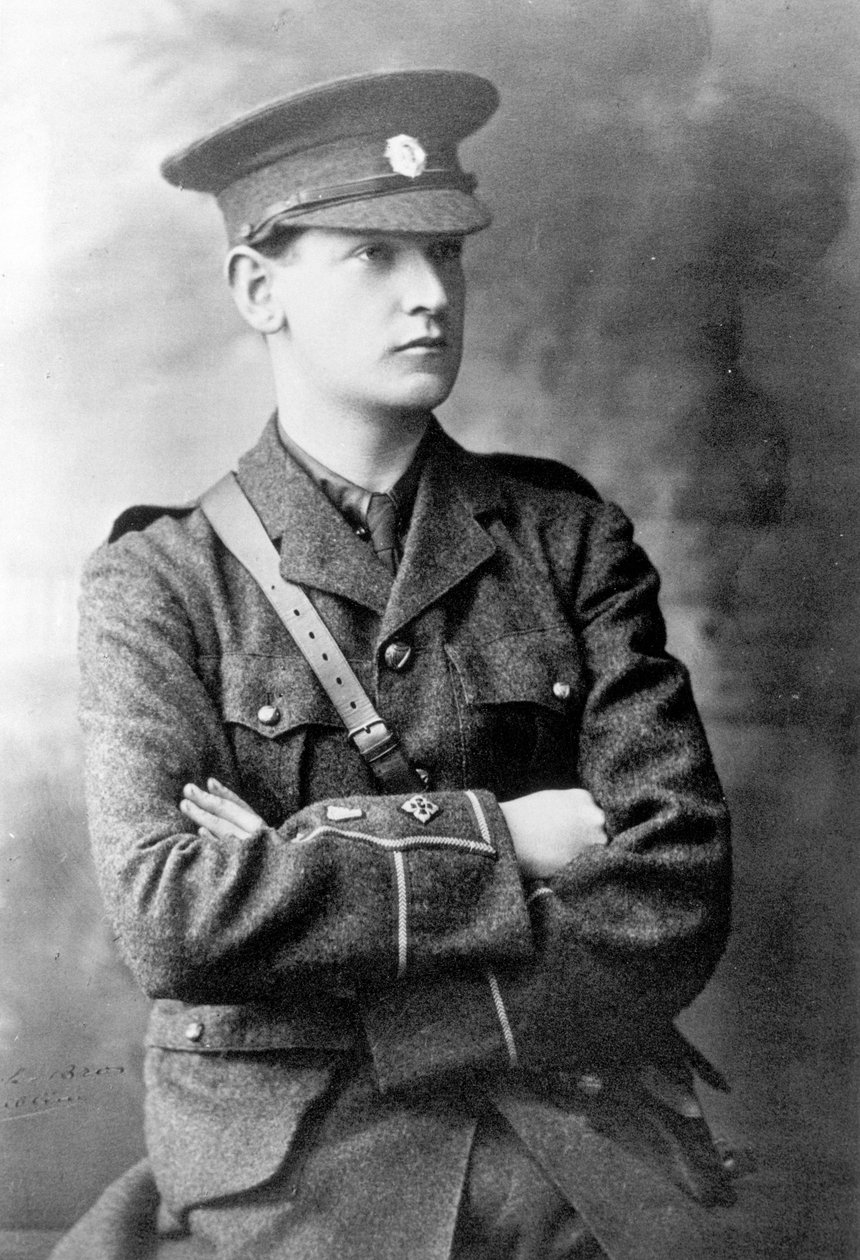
(350, 930)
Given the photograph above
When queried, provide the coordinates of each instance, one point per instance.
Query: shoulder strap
(242, 532)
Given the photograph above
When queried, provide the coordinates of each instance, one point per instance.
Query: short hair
(279, 242)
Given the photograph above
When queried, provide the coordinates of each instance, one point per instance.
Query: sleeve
(625, 935)
(325, 898)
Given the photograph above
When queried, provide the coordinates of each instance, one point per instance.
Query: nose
(426, 287)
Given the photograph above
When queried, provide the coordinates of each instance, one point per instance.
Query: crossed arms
(214, 905)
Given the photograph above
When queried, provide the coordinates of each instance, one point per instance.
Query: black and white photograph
(428, 655)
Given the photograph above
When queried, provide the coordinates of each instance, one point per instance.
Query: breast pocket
(275, 715)
(519, 699)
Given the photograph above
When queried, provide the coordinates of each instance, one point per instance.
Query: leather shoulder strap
(242, 532)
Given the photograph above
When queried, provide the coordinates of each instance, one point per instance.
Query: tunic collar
(319, 550)
(353, 501)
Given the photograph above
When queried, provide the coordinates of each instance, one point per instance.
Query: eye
(374, 252)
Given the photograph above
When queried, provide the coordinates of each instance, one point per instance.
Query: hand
(550, 828)
(219, 813)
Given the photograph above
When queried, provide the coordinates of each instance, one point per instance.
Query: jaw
(423, 378)
(390, 386)
(420, 392)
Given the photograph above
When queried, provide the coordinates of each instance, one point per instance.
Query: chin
(425, 395)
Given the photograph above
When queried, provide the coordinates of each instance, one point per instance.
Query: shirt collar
(352, 501)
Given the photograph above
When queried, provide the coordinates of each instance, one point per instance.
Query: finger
(223, 833)
(581, 804)
(197, 815)
(581, 797)
(595, 827)
(240, 815)
(590, 808)
(214, 827)
(219, 789)
(209, 801)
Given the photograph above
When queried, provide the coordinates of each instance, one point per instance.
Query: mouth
(424, 343)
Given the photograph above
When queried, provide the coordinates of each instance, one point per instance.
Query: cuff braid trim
(402, 923)
(501, 1012)
(402, 843)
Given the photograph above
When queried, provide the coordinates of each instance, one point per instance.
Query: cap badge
(406, 156)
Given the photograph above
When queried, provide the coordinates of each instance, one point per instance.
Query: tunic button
(397, 655)
(561, 690)
(194, 1031)
(590, 1083)
(423, 775)
(269, 715)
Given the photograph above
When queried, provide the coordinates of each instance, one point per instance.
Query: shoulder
(559, 516)
(149, 536)
(528, 475)
(142, 515)
(525, 489)
(535, 494)
(154, 556)
(539, 475)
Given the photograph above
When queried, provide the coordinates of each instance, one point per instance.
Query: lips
(424, 343)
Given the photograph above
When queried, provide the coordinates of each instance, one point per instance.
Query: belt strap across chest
(240, 529)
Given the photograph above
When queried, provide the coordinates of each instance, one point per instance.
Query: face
(373, 321)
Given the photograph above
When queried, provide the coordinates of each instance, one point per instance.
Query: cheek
(457, 301)
(319, 330)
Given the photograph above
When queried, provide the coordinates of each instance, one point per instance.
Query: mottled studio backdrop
(668, 301)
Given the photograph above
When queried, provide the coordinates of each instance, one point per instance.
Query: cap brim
(442, 211)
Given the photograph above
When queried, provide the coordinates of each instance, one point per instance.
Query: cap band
(306, 199)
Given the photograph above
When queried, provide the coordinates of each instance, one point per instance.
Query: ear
(250, 276)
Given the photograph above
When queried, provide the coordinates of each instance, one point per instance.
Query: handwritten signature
(48, 1096)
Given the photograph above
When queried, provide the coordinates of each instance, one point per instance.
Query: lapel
(319, 550)
(446, 541)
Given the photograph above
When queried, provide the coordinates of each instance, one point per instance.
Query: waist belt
(242, 532)
(253, 1026)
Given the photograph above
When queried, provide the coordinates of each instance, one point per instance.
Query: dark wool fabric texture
(350, 989)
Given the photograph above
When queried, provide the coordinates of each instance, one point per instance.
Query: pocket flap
(541, 666)
(275, 694)
(220, 1124)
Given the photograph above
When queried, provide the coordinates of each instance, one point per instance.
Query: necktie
(382, 523)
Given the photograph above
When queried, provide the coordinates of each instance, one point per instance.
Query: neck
(371, 449)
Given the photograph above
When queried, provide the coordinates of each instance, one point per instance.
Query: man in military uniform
(396, 1019)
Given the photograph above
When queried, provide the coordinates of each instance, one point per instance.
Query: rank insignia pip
(421, 808)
